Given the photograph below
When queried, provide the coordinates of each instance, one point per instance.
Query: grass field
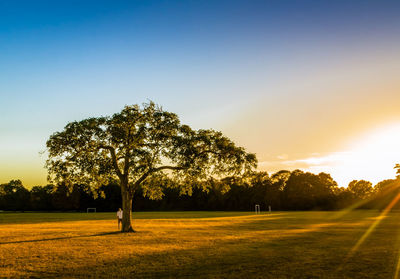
(200, 245)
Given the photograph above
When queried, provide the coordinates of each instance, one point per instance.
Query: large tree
(137, 145)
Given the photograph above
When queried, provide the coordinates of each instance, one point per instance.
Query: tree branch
(113, 159)
(150, 171)
(167, 168)
(126, 163)
(208, 151)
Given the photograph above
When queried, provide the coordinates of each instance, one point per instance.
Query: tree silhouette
(14, 196)
(138, 144)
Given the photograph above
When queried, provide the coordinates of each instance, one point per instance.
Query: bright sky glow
(371, 157)
(303, 84)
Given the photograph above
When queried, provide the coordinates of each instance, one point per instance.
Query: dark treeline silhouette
(284, 190)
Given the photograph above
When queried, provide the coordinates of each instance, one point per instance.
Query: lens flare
(371, 228)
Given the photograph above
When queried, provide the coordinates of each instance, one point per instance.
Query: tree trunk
(127, 210)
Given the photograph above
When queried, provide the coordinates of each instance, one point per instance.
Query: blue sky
(263, 72)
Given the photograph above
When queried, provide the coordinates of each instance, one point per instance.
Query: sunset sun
(372, 156)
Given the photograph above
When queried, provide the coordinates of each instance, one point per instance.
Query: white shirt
(119, 214)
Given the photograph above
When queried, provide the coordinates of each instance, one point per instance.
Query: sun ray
(371, 228)
(349, 209)
(396, 273)
(389, 188)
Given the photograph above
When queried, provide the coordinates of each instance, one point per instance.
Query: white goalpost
(90, 209)
(257, 209)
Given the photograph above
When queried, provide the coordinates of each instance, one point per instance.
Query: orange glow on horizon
(371, 156)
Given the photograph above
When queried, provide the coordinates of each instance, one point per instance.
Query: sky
(311, 85)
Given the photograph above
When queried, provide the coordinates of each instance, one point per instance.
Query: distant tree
(385, 185)
(324, 191)
(280, 178)
(274, 195)
(305, 191)
(239, 196)
(109, 196)
(343, 198)
(60, 198)
(41, 197)
(260, 186)
(81, 197)
(137, 144)
(385, 192)
(362, 189)
(297, 193)
(14, 196)
(215, 196)
(397, 167)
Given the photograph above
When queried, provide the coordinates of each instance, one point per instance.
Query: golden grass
(198, 244)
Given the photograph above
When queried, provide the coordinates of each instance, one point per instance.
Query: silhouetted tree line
(284, 190)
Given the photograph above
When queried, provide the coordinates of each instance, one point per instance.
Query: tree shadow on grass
(250, 225)
(61, 238)
(104, 234)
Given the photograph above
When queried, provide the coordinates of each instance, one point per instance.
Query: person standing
(119, 216)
